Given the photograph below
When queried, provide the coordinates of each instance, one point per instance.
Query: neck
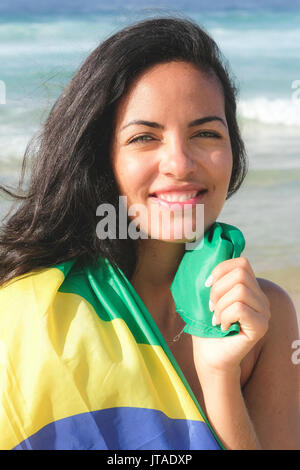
(157, 263)
(156, 267)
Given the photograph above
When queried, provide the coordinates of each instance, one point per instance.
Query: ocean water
(43, 44)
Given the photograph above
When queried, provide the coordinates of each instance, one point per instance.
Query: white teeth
(175, 197)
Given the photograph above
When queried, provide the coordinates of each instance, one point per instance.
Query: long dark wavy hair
(71, 174)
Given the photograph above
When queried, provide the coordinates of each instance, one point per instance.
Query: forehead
(170, 85)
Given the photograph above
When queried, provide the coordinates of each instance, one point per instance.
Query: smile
(179, 197)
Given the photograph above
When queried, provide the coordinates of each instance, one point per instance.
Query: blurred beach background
(43, 43)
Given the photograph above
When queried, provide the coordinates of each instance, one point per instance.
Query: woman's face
(171, 146)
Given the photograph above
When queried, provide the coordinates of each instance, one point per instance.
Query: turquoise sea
(41, 47)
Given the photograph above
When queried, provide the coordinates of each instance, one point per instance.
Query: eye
(141, 139)
(209, 134)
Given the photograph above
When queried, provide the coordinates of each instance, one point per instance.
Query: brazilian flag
(84, 366)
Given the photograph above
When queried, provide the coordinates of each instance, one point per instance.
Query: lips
(174, 196)
(177, 190)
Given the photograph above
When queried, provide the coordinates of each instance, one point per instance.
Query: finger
(226, 266)
(251, 322)
(237, 276)
(243, 295)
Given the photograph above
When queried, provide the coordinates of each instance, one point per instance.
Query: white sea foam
(53, 37)
(12, 148)
(271, 111)
(12, 50)
(258, 41)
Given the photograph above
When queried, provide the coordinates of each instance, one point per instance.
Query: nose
(176, 159)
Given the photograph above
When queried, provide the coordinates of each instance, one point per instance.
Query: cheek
(132, 175)
(222, 167)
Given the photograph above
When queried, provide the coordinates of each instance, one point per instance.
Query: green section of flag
(112, 296)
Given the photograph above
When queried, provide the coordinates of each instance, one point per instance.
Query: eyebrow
(156, 125)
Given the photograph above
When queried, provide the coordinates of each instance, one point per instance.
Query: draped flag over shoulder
(84, 366)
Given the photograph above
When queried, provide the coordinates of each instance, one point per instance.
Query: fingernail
(213, 321)
(211, 306)
(208, 281)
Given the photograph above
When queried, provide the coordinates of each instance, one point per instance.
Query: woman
(89, 357)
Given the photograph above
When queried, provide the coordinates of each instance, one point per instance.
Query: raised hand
(235, 296)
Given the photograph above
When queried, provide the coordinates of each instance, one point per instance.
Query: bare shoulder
(283, 324)
(274, 291)
(283, 312)
(272, 390)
